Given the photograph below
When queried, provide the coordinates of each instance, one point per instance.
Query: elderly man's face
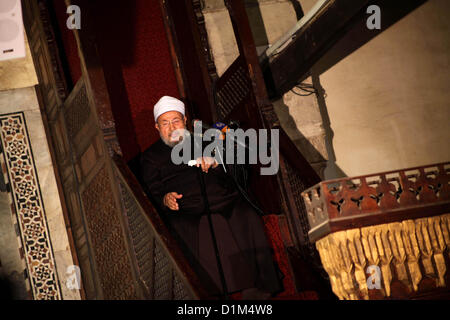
(171, 125)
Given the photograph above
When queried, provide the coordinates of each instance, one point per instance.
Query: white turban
(166, 104)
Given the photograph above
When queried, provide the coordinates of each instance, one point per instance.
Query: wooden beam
(318, 40)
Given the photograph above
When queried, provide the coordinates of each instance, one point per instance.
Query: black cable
(233, 175)
(235, 168)
(245, 195)
(306, 87)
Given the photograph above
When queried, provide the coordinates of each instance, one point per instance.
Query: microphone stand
(213, 236)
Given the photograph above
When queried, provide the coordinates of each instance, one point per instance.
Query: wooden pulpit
(386, 235)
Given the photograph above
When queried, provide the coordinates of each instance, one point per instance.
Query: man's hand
(170, 200)
(206, 163)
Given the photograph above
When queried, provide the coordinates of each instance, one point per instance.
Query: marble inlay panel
(24, 102)
(29, 207)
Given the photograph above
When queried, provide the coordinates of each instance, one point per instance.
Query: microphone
(221, 127)
(197, 123)
(232, 125)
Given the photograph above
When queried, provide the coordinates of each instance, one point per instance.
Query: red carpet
(273, 232)
(272, 227)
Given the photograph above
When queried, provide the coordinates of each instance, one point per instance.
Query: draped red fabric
(150, 74)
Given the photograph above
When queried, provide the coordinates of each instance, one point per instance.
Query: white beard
(175, 137)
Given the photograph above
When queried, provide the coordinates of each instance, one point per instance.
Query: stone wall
(388, 102)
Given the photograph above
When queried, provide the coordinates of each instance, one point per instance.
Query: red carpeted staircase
(278, 237)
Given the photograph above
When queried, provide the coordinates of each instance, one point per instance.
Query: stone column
(300, 117)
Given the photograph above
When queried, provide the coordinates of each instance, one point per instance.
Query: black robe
(244, 252)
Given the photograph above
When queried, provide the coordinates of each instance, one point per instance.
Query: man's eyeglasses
(176, 122)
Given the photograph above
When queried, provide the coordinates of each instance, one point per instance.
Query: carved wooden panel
(141, 238)
(296, 186)
(233, 88)
(106, 234)
(77, 112)
(400, 260)
(155, 268)
(162, 275)
(377, 198)
(179, 289)
(54, 68)
(86, 187)
(197, 7)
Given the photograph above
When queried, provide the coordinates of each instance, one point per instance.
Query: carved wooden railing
(384, 235)
(233, 88)
(161, 267)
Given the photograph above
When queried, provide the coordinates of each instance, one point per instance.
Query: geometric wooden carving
(410, 258)
(297, 186)
(162, 274)
(77, 113)
(155, 269)
(233, 88)
(105, 230)
(378, 198)
(385, 235)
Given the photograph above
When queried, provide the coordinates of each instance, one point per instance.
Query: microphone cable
(234, 171)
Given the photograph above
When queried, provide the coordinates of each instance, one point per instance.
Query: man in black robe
(176, 190)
